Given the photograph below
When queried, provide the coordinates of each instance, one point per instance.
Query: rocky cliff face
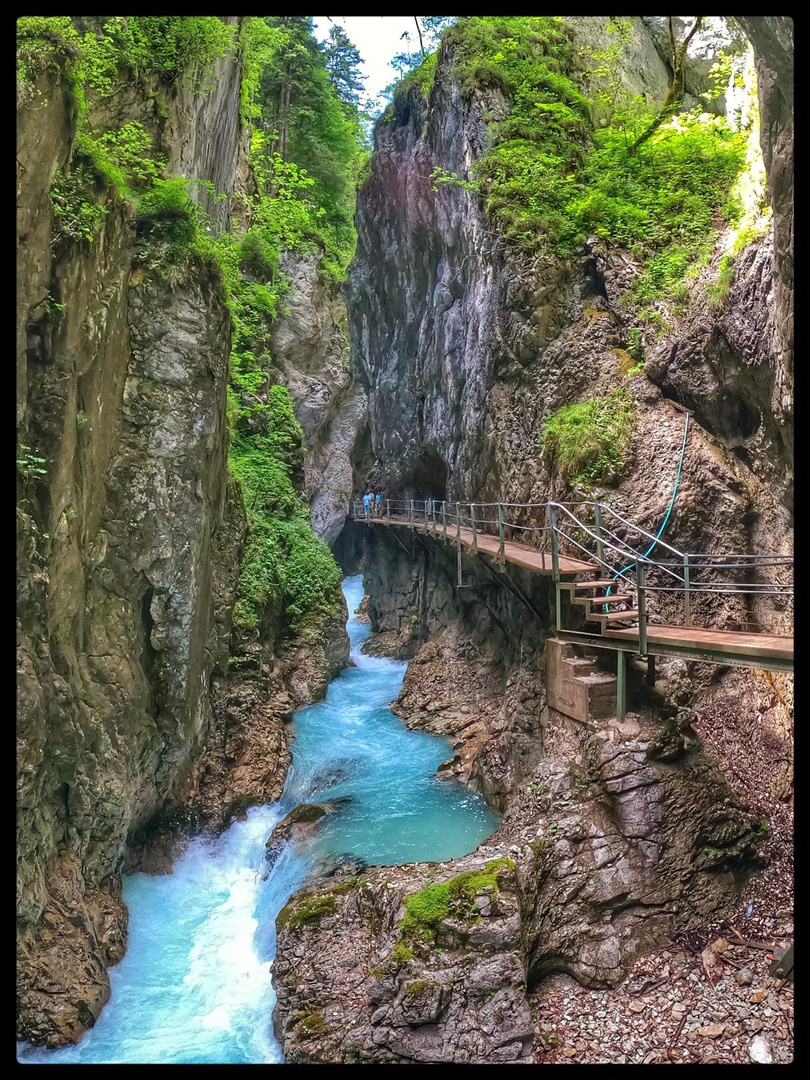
(620, 835)
(126, 538)
(311, 356)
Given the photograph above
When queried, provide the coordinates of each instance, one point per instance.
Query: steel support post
(621, 685)
(642, 607)
(651, 669)
(600, 547)
(555, 563)
(458, 542)
(474, 529)
(501, 551)
(687, 600)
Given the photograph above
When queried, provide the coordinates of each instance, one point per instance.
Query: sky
(378, 38)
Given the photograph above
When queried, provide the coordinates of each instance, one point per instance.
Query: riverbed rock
(303, 822)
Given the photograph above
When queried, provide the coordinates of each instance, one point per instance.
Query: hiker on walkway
(367, 505)
(378, 504)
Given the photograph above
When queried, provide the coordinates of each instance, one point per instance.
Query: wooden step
(601, 583)
(619, 598)
(612, 616)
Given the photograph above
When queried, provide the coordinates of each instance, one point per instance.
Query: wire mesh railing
(594, 533)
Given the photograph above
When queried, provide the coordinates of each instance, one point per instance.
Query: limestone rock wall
(310, 343)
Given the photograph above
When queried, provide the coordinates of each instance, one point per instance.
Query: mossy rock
(310, 1025)
(308, 911)
(426, 909)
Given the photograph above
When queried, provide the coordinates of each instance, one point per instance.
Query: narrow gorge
(543, 305)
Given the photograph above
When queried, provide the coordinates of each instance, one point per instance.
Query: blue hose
(669, 509)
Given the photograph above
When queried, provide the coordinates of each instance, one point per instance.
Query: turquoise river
(195, 986)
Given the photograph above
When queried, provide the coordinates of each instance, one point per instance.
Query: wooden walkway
(731, 643)
(519, 554)
(769, 651)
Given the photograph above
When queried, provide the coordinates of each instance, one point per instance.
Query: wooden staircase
(607, 611)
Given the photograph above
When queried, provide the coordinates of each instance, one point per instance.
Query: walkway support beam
(621, 685)
(501, 549)
(597, 528)
(687, 599)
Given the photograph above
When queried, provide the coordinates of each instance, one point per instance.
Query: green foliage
(130, 150)
(99, 48)
(77, 214)
(587, 442)
(285, 568)
(29, 464)
(425, 909)
(422, 76)
(307, 911)
(42, 40)
(82, 419)
(311, 1024)
(306, 122)
(550, 178)
(401, 954)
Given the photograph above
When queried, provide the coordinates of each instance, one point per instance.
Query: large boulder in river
(300, 824)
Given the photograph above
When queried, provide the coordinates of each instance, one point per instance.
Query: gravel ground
(669, 1010)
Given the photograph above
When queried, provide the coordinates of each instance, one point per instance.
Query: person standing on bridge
(378, 504)
(367, 505)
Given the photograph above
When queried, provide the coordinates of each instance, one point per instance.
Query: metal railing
(600, 536)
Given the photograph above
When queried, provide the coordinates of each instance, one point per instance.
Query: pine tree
(343, 62)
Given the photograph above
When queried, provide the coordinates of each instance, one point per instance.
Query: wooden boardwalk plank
(732, 641)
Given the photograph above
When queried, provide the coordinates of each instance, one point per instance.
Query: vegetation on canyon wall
(305, 152)
(553, 175)
(587, 442)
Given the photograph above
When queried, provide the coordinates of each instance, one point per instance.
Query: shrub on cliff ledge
(587, 442)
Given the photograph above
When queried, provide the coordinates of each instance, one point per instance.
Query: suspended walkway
(608, 592)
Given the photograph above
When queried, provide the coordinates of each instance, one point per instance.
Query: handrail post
(642, 607)
(600, 547)
(388, 509)
(444, 518)
(555, 563)
(687, 599)
(458, 542)
(433, 514)
(474, 530)
(410, 515)
(501, 550)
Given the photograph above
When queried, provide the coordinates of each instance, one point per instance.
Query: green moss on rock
(309, 910)
(425, 909)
